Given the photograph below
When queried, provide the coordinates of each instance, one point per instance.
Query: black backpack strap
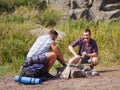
(29, 61)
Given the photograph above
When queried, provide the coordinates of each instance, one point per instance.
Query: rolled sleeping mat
(27, 80)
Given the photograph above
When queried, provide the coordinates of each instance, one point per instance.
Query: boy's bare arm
(72, 50)
(57, 51)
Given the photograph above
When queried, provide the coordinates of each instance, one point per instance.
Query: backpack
(35, 70)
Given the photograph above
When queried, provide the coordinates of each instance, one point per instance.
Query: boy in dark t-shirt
(87, 49)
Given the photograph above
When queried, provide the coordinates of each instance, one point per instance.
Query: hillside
(18, 17)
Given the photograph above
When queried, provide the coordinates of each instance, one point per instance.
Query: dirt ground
(109, 79)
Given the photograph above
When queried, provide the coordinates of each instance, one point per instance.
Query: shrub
(10, 5)
(49, 17)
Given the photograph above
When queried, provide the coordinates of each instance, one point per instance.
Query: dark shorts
(37, 59)
(86, 60)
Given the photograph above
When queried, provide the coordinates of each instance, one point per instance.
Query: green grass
(106, 34)
(15, 38)
(49, 17)
(10, 5)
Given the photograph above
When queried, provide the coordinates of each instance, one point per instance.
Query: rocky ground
(109, 79)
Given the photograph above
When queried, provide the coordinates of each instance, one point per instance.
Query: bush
(10, 5)
(49, 17)
(22, 14)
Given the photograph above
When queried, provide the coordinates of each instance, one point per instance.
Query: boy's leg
(94, 62)
(51, 60)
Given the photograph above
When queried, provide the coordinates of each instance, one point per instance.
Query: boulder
(105, 10)
(78, 13)
(60, 4)
(66, 4)
(43, 31)
(111, 7)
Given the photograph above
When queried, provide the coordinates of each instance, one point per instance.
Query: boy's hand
(84, 54)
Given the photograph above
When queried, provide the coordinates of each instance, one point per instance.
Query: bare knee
(51, 56)
(95, 61)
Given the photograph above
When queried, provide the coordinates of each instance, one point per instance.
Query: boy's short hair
(87, 30)
(53, 32)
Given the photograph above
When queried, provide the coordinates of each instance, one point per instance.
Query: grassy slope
(15, 39)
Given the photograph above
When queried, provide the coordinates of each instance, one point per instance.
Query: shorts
(37, 59)
(86, 60)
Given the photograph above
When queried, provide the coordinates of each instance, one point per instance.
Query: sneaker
(91, 67)
(95, 73)
(48, 75)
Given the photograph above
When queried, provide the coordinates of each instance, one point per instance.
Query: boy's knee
(95, 61)
(54, 55)
(51, 56)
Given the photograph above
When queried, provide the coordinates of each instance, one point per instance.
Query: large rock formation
(90, 9)
(105, 9)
